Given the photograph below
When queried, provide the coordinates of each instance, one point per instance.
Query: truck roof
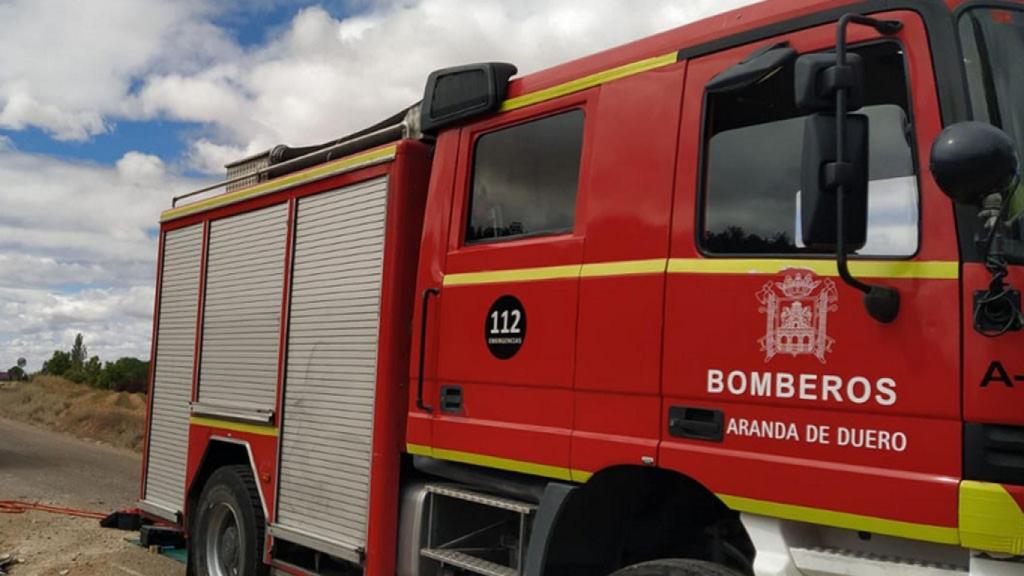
(707, 35)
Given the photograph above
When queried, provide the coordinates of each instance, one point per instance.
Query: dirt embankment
(114, 418)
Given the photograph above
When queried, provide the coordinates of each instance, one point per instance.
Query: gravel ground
(42, 466)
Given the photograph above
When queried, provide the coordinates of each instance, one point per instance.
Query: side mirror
(816, 79)
(821, 175)
(971, 160)
(458, 94)
(839, 172)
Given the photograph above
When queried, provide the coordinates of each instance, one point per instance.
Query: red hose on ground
(18, 507)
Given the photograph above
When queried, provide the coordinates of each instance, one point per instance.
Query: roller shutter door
(242, 310)
(172, 379)
(331, 368)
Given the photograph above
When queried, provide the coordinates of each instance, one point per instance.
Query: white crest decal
(796, 311)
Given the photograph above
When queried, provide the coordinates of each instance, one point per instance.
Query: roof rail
(407, 127)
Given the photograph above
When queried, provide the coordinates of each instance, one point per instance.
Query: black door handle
(697, 423)
(423, 347)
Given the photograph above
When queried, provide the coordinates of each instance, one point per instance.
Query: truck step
(467, 562)
(482, 499)
(840, 562)
(153, 535)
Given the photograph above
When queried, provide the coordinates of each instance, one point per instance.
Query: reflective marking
(927, 532)
(261, 430)
(990, 519)
(545, 470)
(891, 269)
(518, 275)
(894, 269)
(335, 168)
(585, 82)
(419, 450)
(626, 268)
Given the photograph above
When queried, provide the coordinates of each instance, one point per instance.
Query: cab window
(993, 39)
(753, 149)
(525, 179)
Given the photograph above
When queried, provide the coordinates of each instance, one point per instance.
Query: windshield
(993, 43)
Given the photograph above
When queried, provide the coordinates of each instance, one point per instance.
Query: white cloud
(114, 322)
(211, 157)
(322, 77)
(317, 78)
(208, 97)
(139, 167)
(22, 110)
(68, 65)
(77, 253)
(77, 240)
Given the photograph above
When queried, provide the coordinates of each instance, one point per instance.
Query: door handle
(697, 423)
(423, 347)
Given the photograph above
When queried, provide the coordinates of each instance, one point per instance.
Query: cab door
(507, 305)
(781, 394)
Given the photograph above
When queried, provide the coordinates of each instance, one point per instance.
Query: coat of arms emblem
(796, 313)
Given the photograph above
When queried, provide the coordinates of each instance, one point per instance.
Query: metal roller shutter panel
(331, 364)
(172, 379)
(242, 310)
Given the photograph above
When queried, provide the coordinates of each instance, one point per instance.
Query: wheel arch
(220, 452)
(628, 514)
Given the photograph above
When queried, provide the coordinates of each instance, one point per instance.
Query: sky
(108, 108)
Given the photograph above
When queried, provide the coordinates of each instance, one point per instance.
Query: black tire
(676, 567)
(228, 526)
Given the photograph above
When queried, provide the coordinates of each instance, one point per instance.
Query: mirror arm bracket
(882, 302)
(997, 310)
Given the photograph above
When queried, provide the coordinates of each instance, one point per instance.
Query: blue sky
(163, 138)
(108, 108)
(250, 27)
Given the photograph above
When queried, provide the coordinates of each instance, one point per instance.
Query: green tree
(92, 370)
(76, 375)
(21, 363)
(125, 375)
(79, 352)
(58, 364)
(87, 373)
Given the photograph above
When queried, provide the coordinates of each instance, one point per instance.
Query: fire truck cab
(738, 298)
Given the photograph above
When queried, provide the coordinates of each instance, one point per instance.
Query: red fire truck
(738, 298)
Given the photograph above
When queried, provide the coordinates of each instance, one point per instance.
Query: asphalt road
(42, 466)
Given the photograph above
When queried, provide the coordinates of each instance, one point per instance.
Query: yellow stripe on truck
(347, 164)
(590, 81)
(990, 519)
(885, 269)
(891, 269)
(534, 469)
(518, 275)
(259, 429)
(911, 530)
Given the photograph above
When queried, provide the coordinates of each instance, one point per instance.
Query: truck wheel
(228, 526)
(676, 567)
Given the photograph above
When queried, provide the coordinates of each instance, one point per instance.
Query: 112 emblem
(505, 327)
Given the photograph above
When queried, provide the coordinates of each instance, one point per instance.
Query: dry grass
(115, 418)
